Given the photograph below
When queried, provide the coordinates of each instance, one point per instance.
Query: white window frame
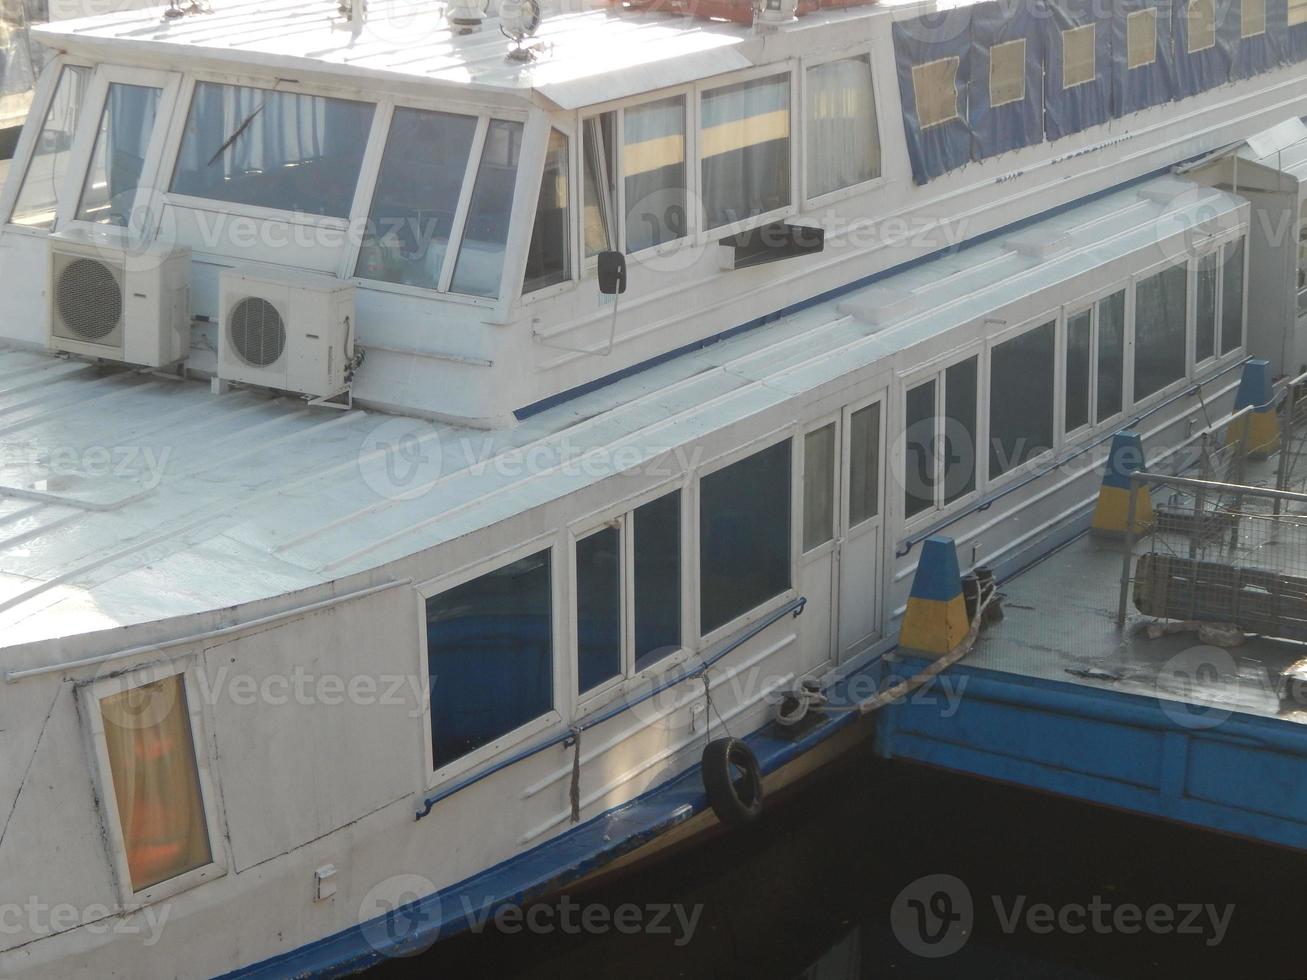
(839, 493)
(1069, 312)
(552, 719)
(1092, 301)
(91, 694)
(1052, 315)
(622, 515)
(843, 193)
(1136, 278)
(937, 371)
(575, 226)
(156, 156)
(1191, 344)
(794, 433)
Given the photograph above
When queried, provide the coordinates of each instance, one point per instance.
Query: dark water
(817, 890)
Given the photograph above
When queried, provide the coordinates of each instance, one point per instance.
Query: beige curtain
(155, 780)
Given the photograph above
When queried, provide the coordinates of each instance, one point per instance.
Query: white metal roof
(126, 497)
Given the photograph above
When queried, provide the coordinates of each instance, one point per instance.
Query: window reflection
(416, 198)
(38, 198)
(480, 262)
(114, 174)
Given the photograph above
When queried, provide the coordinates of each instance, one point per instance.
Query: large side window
(118, 157)
(156, 781)
(598, 608)
(549, 260)
(416, 198)
(656, 564)
(1111, 356)
(842, 136)
(1205, 343)
(1079, 338)
(1232, 299)
(744, 535)
(38, 197)
(1160, 323)
(940, 439)
(281, 150)
(480, 263)
(744, 145)
(653, 170)
(490, 653)
(1021, 391)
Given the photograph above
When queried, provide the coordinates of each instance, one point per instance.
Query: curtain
(156, 784)
(745, 146)
(843, 147)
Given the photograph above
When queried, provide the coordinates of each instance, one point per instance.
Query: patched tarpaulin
(1257, 53)
(1006, 107)
(1296, 49)
(1204, 49)
(928, 49)
(1077, 58)
(1149, 82)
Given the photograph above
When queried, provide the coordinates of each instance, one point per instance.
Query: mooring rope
(575, 792)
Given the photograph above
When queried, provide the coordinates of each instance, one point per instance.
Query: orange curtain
(155, 781)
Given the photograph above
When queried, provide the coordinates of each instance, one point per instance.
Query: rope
(712, 708)
(575, 791)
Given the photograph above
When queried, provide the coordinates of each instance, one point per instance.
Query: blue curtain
(1139, 88)
(1263, 52)
(1014, 124)
(920, 41)
(1070, 110)
(1206, 69)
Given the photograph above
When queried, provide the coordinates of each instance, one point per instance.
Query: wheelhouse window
(1160, 322)
(156, 781)
(1141, 38)
(412, 216)
(279, 150)
(1021, 392)
(480, 264)
(744, 146)
(1232, 299)
(38, 196)
(549, 260)
(627, 621)
(118, 157)
(1078, 56)
(1205, 341)
(654, 174)
(841, 125)
(940, 440)
(490, 653)
(744, 536)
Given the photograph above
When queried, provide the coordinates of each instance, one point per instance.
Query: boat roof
(126, 497)
(583, 57)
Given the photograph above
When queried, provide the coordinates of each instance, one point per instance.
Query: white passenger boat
(402, 419)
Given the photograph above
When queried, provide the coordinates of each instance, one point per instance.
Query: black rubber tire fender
(737, 800)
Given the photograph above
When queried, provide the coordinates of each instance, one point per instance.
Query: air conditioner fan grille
(90, 299)
(257, 331)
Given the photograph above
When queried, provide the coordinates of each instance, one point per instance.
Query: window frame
(842, 193)
(622, 513)
(1209, 249)
(1092, 301)
(1027, 325)
(937, 371)
(838, 491)
(91, 693)
(485, 755)
(1132, 346)
(769, 440)
(574, 134)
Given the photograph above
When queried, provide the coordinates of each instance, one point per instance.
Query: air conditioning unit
(293, 331)
(113, 299)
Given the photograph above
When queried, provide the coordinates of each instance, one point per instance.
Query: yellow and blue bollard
(936, 618)
(1112, 511)
(1259, 430)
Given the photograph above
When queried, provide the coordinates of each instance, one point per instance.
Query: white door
(860, 536)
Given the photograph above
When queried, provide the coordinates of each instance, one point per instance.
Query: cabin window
(1109, 392)
(549, 260)
(38, 197)
(1252, 16)
(416, 198)
(940, 441)
(744, 535)
(156, 781)
(818, 487)
(1007, 73)
(599, 184)
(1021, 391)
(1206, 313)
(118, 158)
(935, 92)
(480, 264)
(1297, 12)
(1079, 337)
(269, 149)
(598, 609)
(1141, 37)
(1232, 312)
(843, 135)
(864, 464)
(653, 170)
(744, 145)
(646, 540)
(1201, 18)
(1160, 321)
(490, 655)
(1078, 56)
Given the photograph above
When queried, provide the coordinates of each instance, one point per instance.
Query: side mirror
(612, 273)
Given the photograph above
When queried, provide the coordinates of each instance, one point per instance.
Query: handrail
(793, 607)
(908, 543)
